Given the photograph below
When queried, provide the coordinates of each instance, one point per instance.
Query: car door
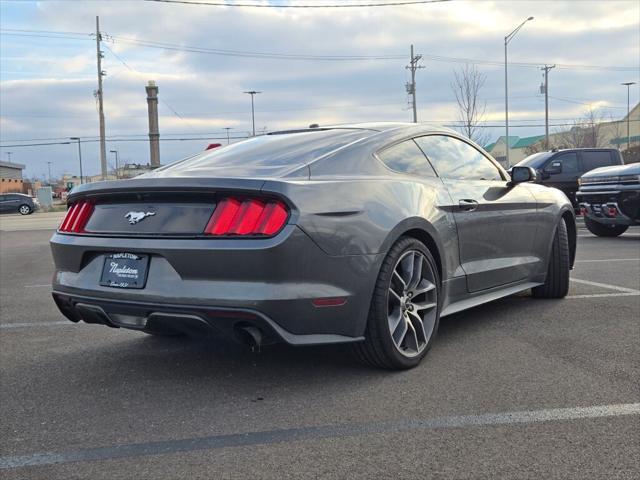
(496, 222)
(595, 159)
(3, 203)
(11, 203)
(562, 172)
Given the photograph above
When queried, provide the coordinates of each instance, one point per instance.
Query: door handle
(467, 205)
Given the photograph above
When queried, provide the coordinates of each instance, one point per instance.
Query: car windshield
(534, 161)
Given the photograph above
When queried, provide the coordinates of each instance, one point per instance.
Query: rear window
(591, 160)
(406, 157)
(269, 154)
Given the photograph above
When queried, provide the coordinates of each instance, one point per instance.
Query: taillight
(251, 216)
(77, 217)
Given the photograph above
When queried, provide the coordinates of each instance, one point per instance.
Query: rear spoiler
(169, 184)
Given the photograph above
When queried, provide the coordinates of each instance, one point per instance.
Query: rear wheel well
(570, 222)
(430, 243)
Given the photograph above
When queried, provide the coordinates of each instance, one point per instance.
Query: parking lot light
(79, 156)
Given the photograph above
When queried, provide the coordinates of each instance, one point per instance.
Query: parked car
(610, 199)
(364, 234)
(17, 203)
(561, 169)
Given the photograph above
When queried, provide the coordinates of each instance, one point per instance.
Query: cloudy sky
(204, 57)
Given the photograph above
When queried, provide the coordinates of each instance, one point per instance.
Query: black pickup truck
(609, 199)
(562, 168)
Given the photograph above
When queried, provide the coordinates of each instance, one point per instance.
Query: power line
(124, 140)
(451, 124)
(250, 54)
(583, 103)
(309, 57)
(56, 32)
(294, 5)
(136, 71)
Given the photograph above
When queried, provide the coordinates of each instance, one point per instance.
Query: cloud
(49, 90)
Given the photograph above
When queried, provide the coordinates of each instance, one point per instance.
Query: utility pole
(9, 156)
(628, 85)
(49, 167)
(101, 73)
(77, 139)
(253, 117)
(227, 129)
(411, 87)
(545, 89)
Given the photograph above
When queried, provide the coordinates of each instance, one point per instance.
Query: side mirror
(522, 174)
(553, 168)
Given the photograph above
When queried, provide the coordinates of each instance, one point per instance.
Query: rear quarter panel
(552, 205)
(364, 216)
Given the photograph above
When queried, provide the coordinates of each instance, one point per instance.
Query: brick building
(11, 177)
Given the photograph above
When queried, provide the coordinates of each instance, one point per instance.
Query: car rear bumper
(193, 320)
(619, 205)
(206, 286)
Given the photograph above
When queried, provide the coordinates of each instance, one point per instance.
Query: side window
(591, 160)
(569, 162)
(406, 157)
(453, 158)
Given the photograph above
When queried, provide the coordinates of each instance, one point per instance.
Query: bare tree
(536, 147)
(585, 132)
(466, 87)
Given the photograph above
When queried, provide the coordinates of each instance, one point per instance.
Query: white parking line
(334, 431)
(606, 285)
(600, 295)
(34, 324)
(610, 260)
(38, 286)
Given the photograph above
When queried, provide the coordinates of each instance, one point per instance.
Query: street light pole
(507, 39)
(79, 156)
(227, 129)
(628, 84)
(49, 167)
(253, 118)
(116, 152)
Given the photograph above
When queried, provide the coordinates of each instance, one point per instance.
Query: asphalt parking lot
(519, 388)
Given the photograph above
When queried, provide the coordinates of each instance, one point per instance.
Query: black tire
(25, 209)
(557, 281)
(602, 230)
(378, 349)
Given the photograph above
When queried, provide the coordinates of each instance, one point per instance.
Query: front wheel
(25, 210)
(602, 230)
(556, 284)
(405, 310)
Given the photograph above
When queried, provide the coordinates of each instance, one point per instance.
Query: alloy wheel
(25, 210)
(412, 303)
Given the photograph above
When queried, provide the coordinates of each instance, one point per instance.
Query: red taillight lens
(222, 217)
(77, 217)
(247, 217)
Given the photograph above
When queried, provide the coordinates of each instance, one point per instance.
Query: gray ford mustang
(364, 234)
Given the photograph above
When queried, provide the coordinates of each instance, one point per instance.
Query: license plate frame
(125, 270)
